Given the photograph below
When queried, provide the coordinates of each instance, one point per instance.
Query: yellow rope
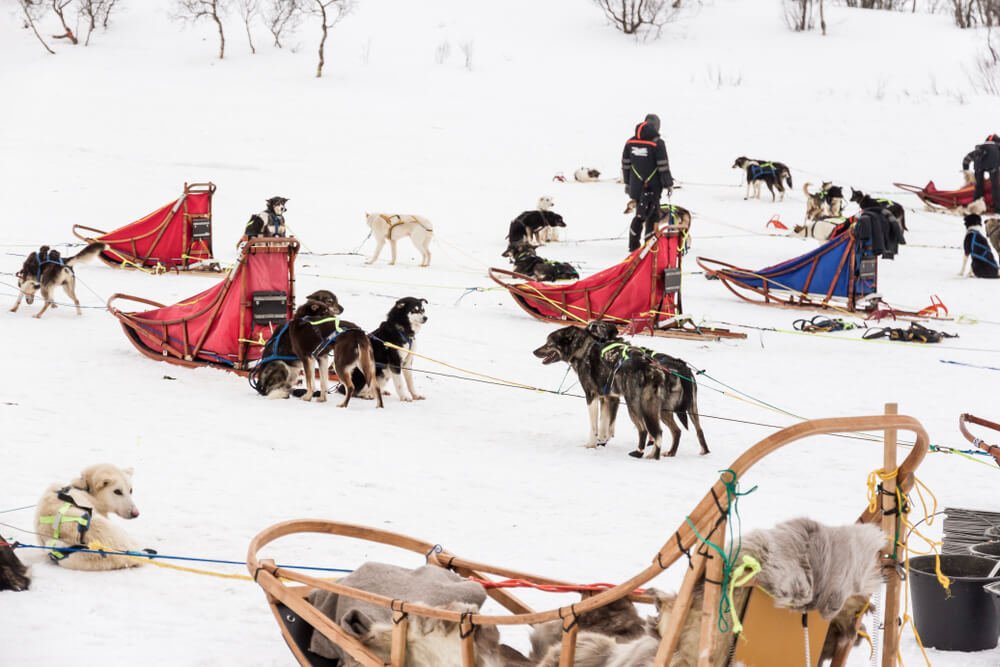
(463, 370)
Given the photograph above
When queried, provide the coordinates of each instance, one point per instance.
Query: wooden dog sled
(951, 201)
(642, 294)
(226, 325)
(287, 590)
(992, 450)
(174, 237)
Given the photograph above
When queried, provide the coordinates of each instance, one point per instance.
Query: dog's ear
(83, 482)
(400, 304)
(423, 301)
(129, 472)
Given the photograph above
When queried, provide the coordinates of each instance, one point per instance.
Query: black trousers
(994, 186)
(647, 214)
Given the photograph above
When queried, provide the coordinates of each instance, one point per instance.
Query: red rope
(549, 588)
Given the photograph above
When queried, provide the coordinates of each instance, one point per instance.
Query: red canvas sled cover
(173, 236)
(948, 198)
(225, 324)
(640, 289)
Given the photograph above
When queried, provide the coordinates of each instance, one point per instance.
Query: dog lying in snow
(537, 226)
(76, 515)
(586, 175)
(827, 203)
(393, 226)
(821, 230)
(772, 174)
(45, 270)
(271, 221)
(13, 573)
(527, 263)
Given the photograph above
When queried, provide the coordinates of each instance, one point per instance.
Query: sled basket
(287, 589)
(174, 237)
(226, 325)
(947, 199)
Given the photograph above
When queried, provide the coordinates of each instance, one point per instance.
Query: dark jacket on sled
(881, 228)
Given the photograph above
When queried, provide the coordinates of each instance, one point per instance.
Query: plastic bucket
(986, 550)
(969, 620)
(994, 590)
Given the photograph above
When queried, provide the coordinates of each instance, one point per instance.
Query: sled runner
(174, 237)
(226, 325)
(837, 274)
(947, 199)
(693, 544)
(992, 450)
(642, 294)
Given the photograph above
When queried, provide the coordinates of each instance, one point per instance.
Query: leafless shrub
(94, 11)
(970, 13)
(639, 17)
(987, 72)
(442, 52)
(720, 79)
(890, 5)
(798, 14)
(33, 11)
(193, 11)
(466, 48)
(281, 16)
(109, 6)
(249, 10)
(329, 13)
(59, 9)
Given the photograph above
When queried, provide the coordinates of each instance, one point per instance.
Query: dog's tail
(805, 189)
(90, 252)
(788, 178)
(366, 359)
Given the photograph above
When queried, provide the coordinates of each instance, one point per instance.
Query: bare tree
(636, 16)
(467, 54)
(281, 15)
(33, 11)
(987, 75)
(109, 5)
(195, 10)
(59, 7)
(799, 14)
(329, 12)
(249, 9)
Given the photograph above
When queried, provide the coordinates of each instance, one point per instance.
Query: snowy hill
(102, 135)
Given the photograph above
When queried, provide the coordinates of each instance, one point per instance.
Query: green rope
(733, 495)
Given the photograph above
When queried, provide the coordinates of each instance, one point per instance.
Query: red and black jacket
(645, 165)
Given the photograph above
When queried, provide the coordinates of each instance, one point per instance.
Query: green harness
(60, 517)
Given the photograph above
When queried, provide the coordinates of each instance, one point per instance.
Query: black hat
(993, 137)
(972, 220)
(653, 120)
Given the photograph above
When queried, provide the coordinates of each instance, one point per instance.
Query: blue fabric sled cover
(832, 263)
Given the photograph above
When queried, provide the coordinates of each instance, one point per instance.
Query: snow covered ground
(104, 134)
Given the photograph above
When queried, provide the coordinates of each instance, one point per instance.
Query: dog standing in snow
(76, 515)
(393, 226)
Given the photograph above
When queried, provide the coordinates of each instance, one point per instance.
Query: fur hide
(430, 642)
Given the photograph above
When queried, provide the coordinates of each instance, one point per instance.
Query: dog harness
(47, 259)
(395, 220)
(758, 170)
(823, 324)
(917, 333)
(981, 250)
(59, 518)
(276, 221)
(329, 339)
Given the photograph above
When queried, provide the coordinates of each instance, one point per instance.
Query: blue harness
(47, 259)
(981, 251)
(276, 221)
(758, 170)
(277, 343)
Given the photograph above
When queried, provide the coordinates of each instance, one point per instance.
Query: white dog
(586, 175)
(76, 515)
(819, 229)
(392, 227)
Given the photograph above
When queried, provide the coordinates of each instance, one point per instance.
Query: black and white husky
(270, 221)
(393, 343)
(45, 270)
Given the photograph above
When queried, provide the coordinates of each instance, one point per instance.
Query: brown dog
(317, 333)
(681, 216)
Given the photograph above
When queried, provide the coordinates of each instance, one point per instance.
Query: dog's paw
(321, 398)
(419, 397)
(298, 392)
(590, 445)
(406, 399)
(636, 453)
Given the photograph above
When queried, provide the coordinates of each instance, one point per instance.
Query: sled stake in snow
(174, 237)
(838, 274)
(224, 326)
(642, 294)
(302, 623)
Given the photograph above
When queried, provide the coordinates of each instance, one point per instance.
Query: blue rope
(143, 554)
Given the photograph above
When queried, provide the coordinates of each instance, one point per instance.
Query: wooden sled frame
(676, 326)
(132, 260)
(940, 206)
(708, 517)
(774, 293)
(184, 352)
(992, 450)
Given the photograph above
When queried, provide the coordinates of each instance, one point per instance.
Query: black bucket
(986, 550)
(994, 590)
(968, 620)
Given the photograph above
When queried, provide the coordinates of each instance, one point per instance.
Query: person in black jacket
(985, 159)
(646, 172)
